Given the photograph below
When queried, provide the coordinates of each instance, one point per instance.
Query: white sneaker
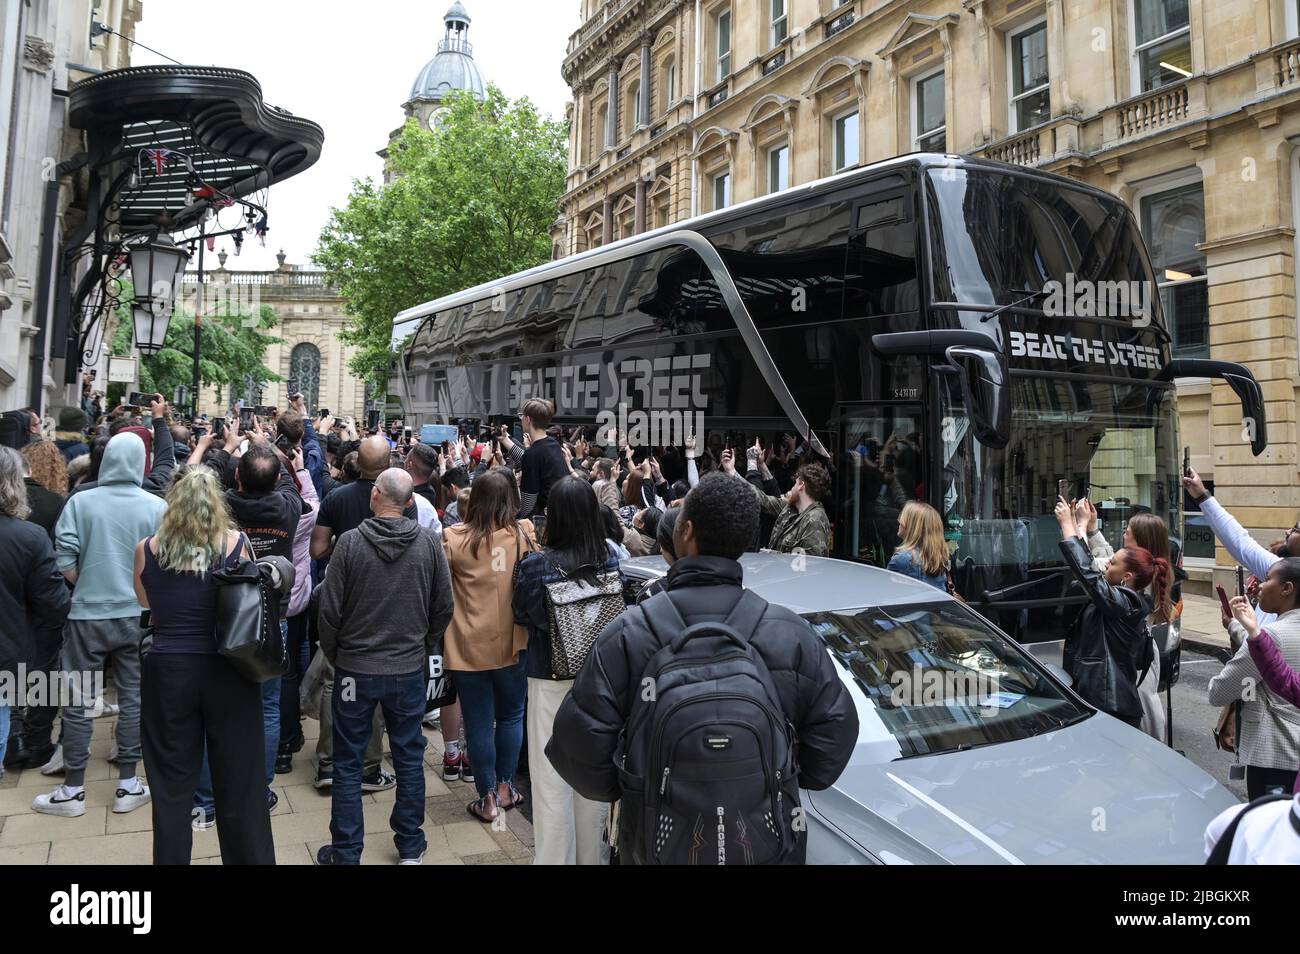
(61, 802)
(418, 860)
(104, 709)
(124, 801)
(55, 765)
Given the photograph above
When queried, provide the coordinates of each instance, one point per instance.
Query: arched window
(304, 364)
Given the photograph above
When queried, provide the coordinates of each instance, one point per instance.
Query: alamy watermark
(62, 688)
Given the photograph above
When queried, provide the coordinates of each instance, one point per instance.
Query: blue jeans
(495, 695)
(402, 700)
(4, 734)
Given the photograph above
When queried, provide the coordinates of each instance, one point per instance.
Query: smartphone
(140, 399)
(1241, 582)
(372, 420)
(285, 445)
(1223, 600)
(246, 418)
(323, 412)
(406, 434)
(219, 428)
(1063, 488)
(292, 387)
(199, 431)
(265, 411)
(1187, 462)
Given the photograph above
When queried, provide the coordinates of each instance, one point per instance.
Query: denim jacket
(536, 570)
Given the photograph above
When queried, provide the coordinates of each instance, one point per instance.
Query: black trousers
(38, 721)
(185, 700)
(1260, 780)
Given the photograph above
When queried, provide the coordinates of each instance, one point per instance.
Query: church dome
(453, 67)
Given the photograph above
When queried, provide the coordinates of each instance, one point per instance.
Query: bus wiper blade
(1040, 293)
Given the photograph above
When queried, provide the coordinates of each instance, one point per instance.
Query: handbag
(578, 612)
(439, 690)
(248, 633)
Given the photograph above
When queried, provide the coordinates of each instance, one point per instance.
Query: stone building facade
(310, 315)
(45, 47)
(1189, 110)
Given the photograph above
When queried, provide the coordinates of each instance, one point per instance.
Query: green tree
(233, 346)
(472, 201)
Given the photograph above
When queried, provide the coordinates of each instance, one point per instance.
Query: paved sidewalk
(1203, 623)
(299, 824)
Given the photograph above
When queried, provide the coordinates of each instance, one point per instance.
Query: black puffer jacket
(34, 597)
(702, 589)
(1110, 642)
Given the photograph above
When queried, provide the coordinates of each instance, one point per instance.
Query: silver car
(971, 750)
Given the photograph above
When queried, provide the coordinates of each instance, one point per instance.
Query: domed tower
(452, 67)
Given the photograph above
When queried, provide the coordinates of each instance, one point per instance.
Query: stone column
(643, 99)
(611, 113)
(640, 213)
(607, 221)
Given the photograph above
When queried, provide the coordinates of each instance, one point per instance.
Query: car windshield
(938, 678)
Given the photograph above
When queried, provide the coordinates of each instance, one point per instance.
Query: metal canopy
(219, 147)
(214, 116)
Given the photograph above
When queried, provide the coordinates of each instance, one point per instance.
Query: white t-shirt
(1267, 836)
(427, 515)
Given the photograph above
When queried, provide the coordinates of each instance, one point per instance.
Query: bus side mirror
(1254, 419)
(983, 375)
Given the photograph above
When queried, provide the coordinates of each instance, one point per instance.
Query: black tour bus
(901, 321)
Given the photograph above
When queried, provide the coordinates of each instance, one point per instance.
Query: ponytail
(1155, 572)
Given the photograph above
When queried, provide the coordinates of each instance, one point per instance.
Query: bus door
(880, 464)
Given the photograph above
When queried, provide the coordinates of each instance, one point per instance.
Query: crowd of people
(395, 552)
(495, 554)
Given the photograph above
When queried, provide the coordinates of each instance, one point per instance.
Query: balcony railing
(718, 97)
(1023, 150)
(841, 22)
(1153, 112)
(772, 64)
(1286, 65)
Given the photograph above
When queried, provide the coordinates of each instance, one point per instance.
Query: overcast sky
(350, 73)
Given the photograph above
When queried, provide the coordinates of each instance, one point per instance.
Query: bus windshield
(996, 238)
(1114, 442)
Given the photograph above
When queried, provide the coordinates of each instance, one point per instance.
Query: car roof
(807, 584)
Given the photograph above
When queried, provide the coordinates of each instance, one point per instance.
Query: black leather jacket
(1109, 643)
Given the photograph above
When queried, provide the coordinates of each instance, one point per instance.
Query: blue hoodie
(99, 528)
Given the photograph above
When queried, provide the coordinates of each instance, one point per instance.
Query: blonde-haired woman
(923, 553)
(191, 697)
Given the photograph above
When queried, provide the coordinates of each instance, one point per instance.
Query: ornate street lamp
(155, 269)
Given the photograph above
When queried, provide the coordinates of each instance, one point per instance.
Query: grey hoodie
(386, 600)
(99, 528)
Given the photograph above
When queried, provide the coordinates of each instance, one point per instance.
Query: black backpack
(707, 759)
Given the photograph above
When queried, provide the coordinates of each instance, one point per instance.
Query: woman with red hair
(1109, 645)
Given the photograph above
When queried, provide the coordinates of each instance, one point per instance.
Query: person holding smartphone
(1109, 643)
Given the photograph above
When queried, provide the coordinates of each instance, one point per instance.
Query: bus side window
(880, 273)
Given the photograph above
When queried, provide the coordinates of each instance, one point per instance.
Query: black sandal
(478, 808)
(516, 797)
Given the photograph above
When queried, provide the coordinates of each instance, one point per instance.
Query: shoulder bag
(248, 632)
(577, 612)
